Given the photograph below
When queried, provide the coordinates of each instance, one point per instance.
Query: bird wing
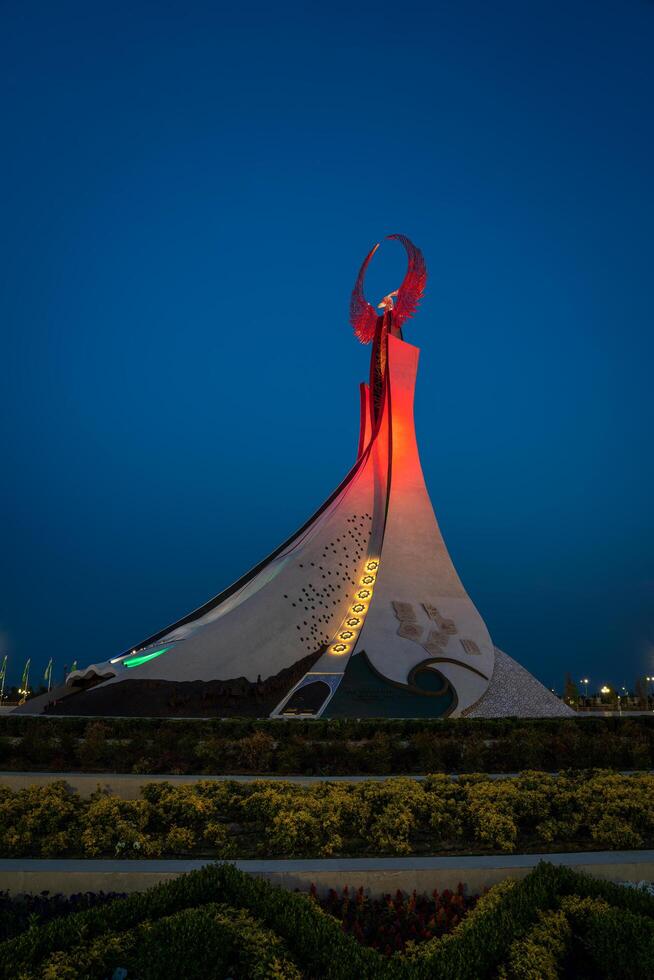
(362, 315)
(413, 284)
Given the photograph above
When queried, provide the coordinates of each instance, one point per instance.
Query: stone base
(513, 691)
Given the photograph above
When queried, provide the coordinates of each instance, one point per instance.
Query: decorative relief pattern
(437, 639)
(410, 630)
(421, 677)
(447, 625)
(404, 611)
(408, 627)
(436, 642)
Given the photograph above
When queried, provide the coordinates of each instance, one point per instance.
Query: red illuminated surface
(363, 317)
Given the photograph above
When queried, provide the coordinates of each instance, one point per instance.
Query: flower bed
(534, 811)
(326, 747)
(391, 922)
(218, 922)
(387, 924)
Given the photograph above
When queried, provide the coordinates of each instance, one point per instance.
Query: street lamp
(605, 690)
(584, 681)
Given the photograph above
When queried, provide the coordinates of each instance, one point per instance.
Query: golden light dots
(354, 621)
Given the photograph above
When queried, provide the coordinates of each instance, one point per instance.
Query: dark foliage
(215, 746)
(390, 922)
(220, 922)
(17, 913)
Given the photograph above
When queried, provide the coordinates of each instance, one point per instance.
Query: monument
(359, 614)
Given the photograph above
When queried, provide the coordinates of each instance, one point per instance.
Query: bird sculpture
(396, 307)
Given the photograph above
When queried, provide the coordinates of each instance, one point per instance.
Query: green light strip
(137, 661)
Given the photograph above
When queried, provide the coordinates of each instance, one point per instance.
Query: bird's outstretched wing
(413, 284)
(362, 315)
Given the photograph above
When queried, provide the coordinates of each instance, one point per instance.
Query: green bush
(539, 954)
(41, 820)
(220, 922)
(206, 943)
(325, 746)
(533, 811)
(314, 938)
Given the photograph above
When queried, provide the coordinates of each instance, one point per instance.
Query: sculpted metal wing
(413, 284)
(362, 315)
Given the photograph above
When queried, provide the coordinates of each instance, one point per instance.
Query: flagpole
(26, 680)
(48, 673)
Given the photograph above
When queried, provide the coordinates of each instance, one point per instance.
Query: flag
(73, 666)
(26, 678)
(3, 676)
(47, 677)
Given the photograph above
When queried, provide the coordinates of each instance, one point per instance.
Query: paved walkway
(138, 778)
(165, 866)
(289, 721)
(377, 875)
(127, 786)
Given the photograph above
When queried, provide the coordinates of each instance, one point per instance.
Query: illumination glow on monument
(360, 613)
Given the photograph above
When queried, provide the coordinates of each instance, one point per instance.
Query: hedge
(17, 912)
(313, 936)
(537, 928)
(386, 922)
(325, 747)
(534, 811)
(197, 943)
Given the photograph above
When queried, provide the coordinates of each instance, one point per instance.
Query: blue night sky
(188, 190)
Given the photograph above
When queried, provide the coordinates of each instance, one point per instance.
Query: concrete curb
(128, 785)
(376, 875)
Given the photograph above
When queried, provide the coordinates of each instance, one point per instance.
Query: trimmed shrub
(344, 747)
(207, 943)
(314, 938)
(218, 921)
(19, 912)
(280, 819)
(619, 942)
(41, 820)
(539, 954)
